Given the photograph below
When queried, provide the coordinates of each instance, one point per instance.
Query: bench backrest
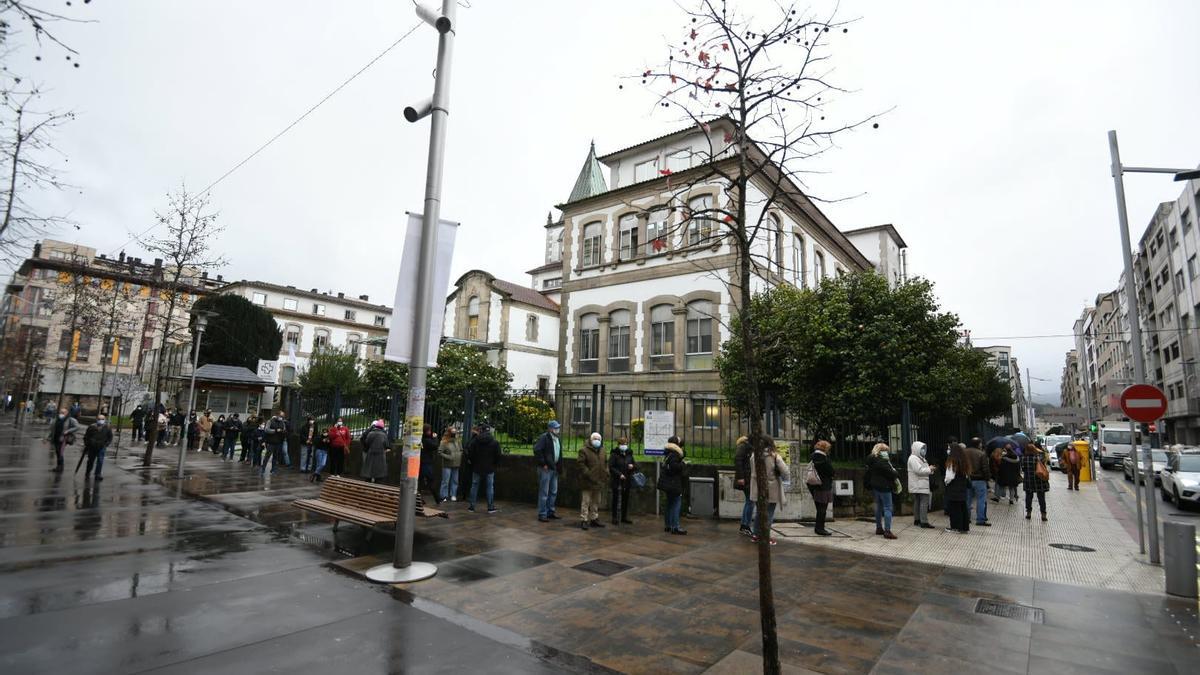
(383, 500)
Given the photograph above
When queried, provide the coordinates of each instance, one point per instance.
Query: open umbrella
(999, 442)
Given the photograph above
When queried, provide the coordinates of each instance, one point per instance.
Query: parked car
(1115, 440)
(1181, 479)
(1056, 452)
(1158, 460)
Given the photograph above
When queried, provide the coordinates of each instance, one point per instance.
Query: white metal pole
(402, 568)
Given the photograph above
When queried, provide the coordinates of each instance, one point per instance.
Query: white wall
(547, 336)
(526, 368)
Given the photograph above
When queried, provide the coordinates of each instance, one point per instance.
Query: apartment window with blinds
(656, 232)
(591, 245)
(662, 338)
(618, 341)
(699, 354)
(700, 225)
(589, 343)
(629, 236)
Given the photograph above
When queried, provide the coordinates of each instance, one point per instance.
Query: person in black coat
(881, 479)
(429, 448)
(233, 429)
(822, 493)
(136, 418)
(484, 451)
(95, 442)
(621, 468)
(741, 479)
(958, 488)
(670, 482)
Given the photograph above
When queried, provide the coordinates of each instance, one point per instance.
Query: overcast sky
(993, 165)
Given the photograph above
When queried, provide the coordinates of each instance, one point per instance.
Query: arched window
(700, 225)
(618, 341)
(662, 338)
(353, 341)
(656, 231)
(591, 245)
(818, 266)
(287, 375)
(776, 235)
(589, 343)
(473, 318)
(799, 262)
(699, 354)
(320, 339)
(291, 334)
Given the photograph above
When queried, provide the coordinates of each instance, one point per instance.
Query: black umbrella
(999, 442)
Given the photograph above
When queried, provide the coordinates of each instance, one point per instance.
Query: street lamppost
(1135, 328)
(202, 318)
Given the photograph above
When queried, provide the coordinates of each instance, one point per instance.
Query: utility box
(702, 493)
(1179, 559)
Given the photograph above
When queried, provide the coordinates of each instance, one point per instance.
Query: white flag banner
(292, 353)
(404, 309)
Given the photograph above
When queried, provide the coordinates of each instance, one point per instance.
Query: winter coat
(206, 424)
(429, 449)
(339, 438)
(484, 452)
(137, 414)
(670, 480)
(308, 433)
(592, 467)
(1010, 469)
(957, 485)
(276, 431)
(62, 429)
(218, 428)
(451, 453)
(1030, 480)
(741, 462)
(618, 466)
(981, 466)
(777, 474)
(543, 452)
(375, 446)
(918, 472)
(97, 436)
(881, 475)
(823, 493)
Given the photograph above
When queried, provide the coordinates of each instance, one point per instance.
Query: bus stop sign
(1143, 403)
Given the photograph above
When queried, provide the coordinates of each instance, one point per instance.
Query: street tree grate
(605, 568)
(1010, 610)
(1074, 547)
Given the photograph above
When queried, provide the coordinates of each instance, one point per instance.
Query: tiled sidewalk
(1013, 545)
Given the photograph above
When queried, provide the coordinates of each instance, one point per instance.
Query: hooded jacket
(484, 453)
(670, 480)
(593, 469)
(918, 470)
(741, 462)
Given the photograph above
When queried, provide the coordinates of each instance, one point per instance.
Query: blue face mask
(596, 444)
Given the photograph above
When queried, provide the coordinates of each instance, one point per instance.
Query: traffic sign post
(1145, 403)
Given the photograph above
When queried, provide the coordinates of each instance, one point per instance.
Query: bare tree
(757, 92)
(185, 247)
(76, 299)
(117, 322)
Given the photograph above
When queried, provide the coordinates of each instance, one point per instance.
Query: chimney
(204, 274)
(220, 278)
(364, 298)
(37, 250)
(121, 257)
(103, 257)
(157, 262)
(313, 291)
(341, 296)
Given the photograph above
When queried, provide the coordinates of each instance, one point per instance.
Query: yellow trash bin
(1085, 471)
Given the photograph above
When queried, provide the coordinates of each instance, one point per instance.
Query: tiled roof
(591, 179)
(524, 294)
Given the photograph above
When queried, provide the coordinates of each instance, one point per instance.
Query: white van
(1115, 442)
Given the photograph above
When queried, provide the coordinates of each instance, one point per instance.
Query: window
(818, 266)
(622, 413)
(589, 343)
(258, 298)
(591, 245)
(1192, 269)
(654, 403)
(679, 160)
(776, 233)
(320, 339)
(1179, 281)
(1174, 351)
(662, 338)
(550, 284)
(353, 341)
(700, 223)
(318, 309)
(581, 410)
(531, 328)
(351, 315)
(83, 347)
(799, 262)
(618, 341)
(291, 335)
(1186, 217)
(699, 336)
(656, 232)
(629, 236)
(543, 385)
(65, 340)
(122, 351)
(645, 170)
(1173, 237)
(706, 413)
(473, 318)
(290, 304)
(379, 321)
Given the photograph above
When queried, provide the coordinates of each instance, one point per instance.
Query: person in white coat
(918, 484)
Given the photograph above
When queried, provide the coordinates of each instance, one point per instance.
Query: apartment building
(1019, 417)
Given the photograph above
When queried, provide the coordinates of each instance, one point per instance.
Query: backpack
(811, 477)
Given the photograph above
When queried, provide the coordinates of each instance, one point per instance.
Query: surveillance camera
(419, 110)
(433, 18)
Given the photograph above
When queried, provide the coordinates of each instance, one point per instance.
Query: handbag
(639, 479)
(1042, 472)
(897, 487)
(811, 477)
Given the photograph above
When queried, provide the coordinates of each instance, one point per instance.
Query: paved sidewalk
(1013, 545)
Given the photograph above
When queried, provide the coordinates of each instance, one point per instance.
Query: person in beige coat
(206, 425)
(777, 474)
(593, 475)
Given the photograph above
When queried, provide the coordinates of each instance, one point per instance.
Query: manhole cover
(1010, 610)
(1074, 547)
(602, 567)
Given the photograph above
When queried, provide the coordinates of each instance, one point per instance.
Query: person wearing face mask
(881, 479)
(485, 455)
(621, 468)
(592, 472)
(776, 470)
(62, 434)
(95, 442)
(918, 484)
(547, 454)
(339, 447)
(450, 450)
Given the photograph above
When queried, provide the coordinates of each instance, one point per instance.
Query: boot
(626, 521)
(887, 534)
(1028, 514)
(1044, 518)
(878, 531)
(596, 523)
(583, 525)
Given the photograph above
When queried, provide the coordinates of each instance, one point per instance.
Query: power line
(289, 127)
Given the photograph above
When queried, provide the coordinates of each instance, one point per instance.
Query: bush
(530, 415)
(637, 430)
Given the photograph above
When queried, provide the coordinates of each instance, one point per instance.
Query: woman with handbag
(881, 478)
(820, 483)
(621, 468)
(777, 474)
(1036, 479)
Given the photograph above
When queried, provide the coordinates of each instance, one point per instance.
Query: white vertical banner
(404, 309)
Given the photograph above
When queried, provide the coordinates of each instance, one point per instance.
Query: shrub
(530, 415)
(637, 430)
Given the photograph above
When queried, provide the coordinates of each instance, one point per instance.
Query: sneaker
(771, 542)
(983, 524)
(679, 531)
(742, 529)
(1044, 518)
(1027, 514)
(951, 529)
(888, 535)
(493, 510)
(471, 508)
(916, 523)
(583, 525)
(926, 526)
(824, 533)
(454, 499)
(878, 531)
(554, 516)
(98, 477)
(543, 519)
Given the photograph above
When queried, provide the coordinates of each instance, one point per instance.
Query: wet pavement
(124, 576)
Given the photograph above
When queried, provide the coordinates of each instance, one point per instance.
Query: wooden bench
(372, 505)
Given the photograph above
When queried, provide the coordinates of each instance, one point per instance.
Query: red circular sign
(1143, 403)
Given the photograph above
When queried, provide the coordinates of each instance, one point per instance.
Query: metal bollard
(1179, 559)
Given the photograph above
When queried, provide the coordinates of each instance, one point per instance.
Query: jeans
(322, 456)
(883, 510)
(59, 447)
(747, 511)
(490, 488)
(547, 491)
(921, 508)
(674, 504)
(96, 456)
(307, 457)
(287, 460)
(1010, 490)
(449, 485)
(230, 442)
(979, 496)
(770, 520)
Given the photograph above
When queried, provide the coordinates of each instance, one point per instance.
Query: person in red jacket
(339, 447)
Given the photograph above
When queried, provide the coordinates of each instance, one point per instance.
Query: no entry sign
(1143, 403)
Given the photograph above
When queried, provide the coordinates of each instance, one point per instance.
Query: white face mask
(623, 448)
(596, 444)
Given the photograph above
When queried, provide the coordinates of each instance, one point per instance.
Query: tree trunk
(62, 385)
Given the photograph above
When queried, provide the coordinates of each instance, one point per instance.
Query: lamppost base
(390, 574)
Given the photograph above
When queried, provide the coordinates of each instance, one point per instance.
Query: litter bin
(1085, 460)
(1179, 559)
(702, 492)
